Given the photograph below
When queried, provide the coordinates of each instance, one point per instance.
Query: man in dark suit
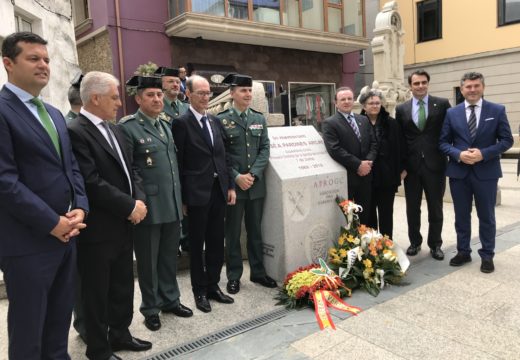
(116, 203)
(349, 140)
(42, 206)
(207, 184)
(473, 136)
(421, 120)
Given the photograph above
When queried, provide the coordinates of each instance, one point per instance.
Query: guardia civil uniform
(174, 109)
(157, 237)
(248, 147)
(71, 115)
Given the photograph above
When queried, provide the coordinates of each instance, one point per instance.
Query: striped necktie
(472, 123)
(353, 125)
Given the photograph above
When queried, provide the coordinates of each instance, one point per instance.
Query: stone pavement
(444, 312)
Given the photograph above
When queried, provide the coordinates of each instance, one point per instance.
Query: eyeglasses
(203, 93)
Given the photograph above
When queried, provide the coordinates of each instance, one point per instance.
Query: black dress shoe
(437, 253)
(114, 357)
(220, 297)
(202, 303)
(413, 250)
(180, 310)
(460, 259)
(487, 266)
(265, 281)
(134, 344)
(233, 286)
(152, 322)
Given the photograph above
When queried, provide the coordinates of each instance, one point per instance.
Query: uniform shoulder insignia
(165, 117)
(126, 118)
(225, 112)
(256, 111)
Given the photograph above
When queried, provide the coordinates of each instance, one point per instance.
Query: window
(361, 57)
(458, 95)
(80, 11)
(508, 12)
(429, 20)
(23, 23)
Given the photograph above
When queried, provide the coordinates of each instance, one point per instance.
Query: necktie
(472, 122)
(422, 116)
(158, 126)
(112, 142)
(205, 131)
(354, 127)
(243, 116)
(47, 124)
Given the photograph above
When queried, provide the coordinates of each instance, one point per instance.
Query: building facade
(448, 38)
(52, 20)
(296, 47)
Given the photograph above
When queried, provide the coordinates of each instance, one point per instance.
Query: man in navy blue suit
(473, 136)
(42, 206)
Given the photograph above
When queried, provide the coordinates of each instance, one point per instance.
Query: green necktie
(243, 116)
(422, 116)
(47, 124)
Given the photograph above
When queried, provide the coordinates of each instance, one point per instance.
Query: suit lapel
(198, 129)
(21, 110)
(484, 114)
(98, 136)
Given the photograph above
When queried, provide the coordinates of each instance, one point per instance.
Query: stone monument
(388, 52)
(301, 218)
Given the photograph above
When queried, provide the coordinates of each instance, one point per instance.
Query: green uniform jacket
(71, 115)
(154, 158)
(175, 109)
(248, 148)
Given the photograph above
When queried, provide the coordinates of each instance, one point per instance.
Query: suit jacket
(111, 198)
(493, 138)
(154, 158)
(36, 186)
(343, 145)
(423, 144)
(248, 147)
(198, 162)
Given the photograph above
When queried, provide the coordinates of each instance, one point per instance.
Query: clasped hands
(245, 181)
(471, 156)
(69, 225)
(364, 168)
(139, 212)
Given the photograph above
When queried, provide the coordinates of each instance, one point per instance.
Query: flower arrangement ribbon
(322, 300)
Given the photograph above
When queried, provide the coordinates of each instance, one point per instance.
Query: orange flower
(362, 229)
(379, 245)
(389, 243)
(344, 203)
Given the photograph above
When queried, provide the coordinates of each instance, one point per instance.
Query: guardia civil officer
(153, 156)
(248, 147)
(171, 85)
(173, 108)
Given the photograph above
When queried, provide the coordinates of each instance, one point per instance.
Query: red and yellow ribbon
(322, 300)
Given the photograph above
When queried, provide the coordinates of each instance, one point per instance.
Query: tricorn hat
(145, 82)
(164, 71)
(238, 80)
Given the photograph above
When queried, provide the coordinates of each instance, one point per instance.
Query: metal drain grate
(220, 335)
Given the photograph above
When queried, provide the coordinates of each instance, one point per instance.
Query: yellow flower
(351, 239)
(341, 240)
(342, 253)
(332, 251)
(367, 263)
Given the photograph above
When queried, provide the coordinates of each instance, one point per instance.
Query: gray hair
(472, 75)
(96, 83)
(363, 98)
(193, 79)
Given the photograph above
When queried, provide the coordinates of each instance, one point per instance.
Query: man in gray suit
(349, 139)
(153, 156)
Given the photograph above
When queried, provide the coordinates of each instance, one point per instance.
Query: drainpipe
(120, 54)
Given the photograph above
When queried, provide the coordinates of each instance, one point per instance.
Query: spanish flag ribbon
(322, 300)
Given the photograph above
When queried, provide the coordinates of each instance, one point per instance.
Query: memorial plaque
(301, 218)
